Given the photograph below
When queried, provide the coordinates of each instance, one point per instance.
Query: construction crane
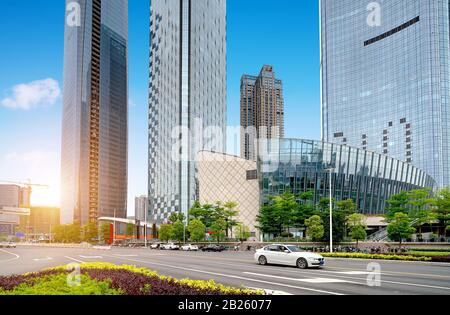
(28, 185)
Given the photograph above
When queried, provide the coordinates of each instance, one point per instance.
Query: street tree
(315, 229)
(442, 210)
(178, 231)
(165, 232)
(397, 203)
(197, 230)
(230, 214)
(243, 232)
(400, 228)
(90, 232)
(218, 229)
(420, 212)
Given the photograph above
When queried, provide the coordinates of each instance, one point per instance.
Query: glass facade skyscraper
(187, 93)
(385, 79)
(95, 111)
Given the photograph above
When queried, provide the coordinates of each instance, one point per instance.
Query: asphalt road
(338, 277)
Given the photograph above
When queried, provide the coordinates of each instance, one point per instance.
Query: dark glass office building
(95, 111)
(366, 177)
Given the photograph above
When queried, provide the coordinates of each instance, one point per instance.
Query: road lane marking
(43, 259)
(74, 259)
(231, 276)
(308, 280)
(125, 255)
(11, 259)
(90, 257)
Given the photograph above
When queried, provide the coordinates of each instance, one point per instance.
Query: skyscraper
(385, 79)
(95, 110)
(262, 110)
(140, 208)
(187, 93)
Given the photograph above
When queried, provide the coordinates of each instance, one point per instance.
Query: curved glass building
(366, 177)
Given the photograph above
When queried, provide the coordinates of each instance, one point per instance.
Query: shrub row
(109, 279)
(376, 256)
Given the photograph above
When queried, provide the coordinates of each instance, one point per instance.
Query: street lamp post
(145, 228)
(331, 211)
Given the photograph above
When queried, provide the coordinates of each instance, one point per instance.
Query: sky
(281, 33)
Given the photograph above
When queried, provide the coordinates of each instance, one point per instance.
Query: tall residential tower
(187, 95)
(385, 79)
(262, 110)
(95, 111)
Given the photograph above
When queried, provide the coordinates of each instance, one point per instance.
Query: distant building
(40, 223)
(14, 203)
(141, 208)
(262, 110)
(94, 148)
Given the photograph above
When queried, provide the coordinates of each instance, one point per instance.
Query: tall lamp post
(145, 227)
(331, 170)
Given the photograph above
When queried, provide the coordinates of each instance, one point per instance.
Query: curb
(438, 264)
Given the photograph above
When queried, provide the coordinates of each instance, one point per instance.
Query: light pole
(145, 228)
(331, 170)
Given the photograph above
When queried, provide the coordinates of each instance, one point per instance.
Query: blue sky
(282, 33)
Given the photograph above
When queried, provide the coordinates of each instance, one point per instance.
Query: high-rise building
(95, 111)
(385, 79)
(187, 93)
(140, 208)
(262, 110)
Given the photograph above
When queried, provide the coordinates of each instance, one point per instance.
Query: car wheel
(262, 260)
(302, 263)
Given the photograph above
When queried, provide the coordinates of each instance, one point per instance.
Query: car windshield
(294, 249)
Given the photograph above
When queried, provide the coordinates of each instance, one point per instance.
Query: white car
(278, 254)
(190, 248)
(7, 245)
(170, 246)
(155, 246)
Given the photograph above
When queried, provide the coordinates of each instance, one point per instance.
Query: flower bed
(376, 256)
(109, 279)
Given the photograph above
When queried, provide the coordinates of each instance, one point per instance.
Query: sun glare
(42, 196)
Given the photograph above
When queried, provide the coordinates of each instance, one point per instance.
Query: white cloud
(32, 95)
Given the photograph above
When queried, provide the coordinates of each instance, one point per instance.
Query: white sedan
(170, 246)
(189, 248)
(288, 255)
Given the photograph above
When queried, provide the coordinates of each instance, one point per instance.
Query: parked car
(170, 246)
(7, 245)
(213, 248)
(189, 248)
(155, 246)
(288, 255)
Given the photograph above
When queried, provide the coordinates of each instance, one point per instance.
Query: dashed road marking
(43, 259)
(307, 280)
(74, 259)
(90, 257)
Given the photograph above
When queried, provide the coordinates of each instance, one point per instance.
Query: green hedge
(376, 256)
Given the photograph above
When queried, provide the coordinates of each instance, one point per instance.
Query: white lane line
(125, 255)
(271, 292)
(231, 276)
(8, 260)
(74, 259)
(307, 280)
(90, 257)
(43, 259)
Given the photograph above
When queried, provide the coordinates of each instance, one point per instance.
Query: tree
(269, 220)
(73, 232)
(178, 231)
(130, 229)
(442, 210)
(358, 232)
(347, 207)
(174, 217)
(285, 206)
(230, 213)
(397, 203)
(420, 212)
(165, 232)
(196, 230)
(356, 219)
(400, 228)
(204, 213)
(90, 232)
(105, 232)
(315, 229)
(243, 232)
(304, 210)
(218, 229)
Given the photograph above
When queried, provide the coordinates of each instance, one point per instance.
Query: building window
(252, 175)
(403, 120)
(391, 124)
(338, 134)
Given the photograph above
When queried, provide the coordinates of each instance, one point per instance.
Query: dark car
(213, 248)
